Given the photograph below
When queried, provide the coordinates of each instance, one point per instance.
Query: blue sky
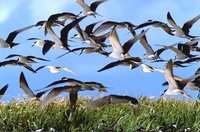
(119, 80)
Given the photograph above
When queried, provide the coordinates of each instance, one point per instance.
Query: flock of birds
(95, 39)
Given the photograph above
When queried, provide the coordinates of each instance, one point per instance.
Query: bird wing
(55, 92)
(177, 51)
(186, 27)
(104, 26)
(111, 65)
(89, 28)
(83, 4)
(64, 32)
(114, 41)
(12, 55)
(95, 4)
(47, 46)
(145, 44)
(13, 34)
(51, 95)
(3, 90)
(172, 22)
(26, 66)
(37, 58)
(70, 71)
(56, 83)
(169, 75)
(127, 46)
(24, 85)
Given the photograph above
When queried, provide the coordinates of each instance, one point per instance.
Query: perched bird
(184, 31)
(55, 69)
(9, 40)
(3, 90)
(115, 99)
(24, 85)
(89, 10)
(174, 87)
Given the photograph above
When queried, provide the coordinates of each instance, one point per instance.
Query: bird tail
(13, 44)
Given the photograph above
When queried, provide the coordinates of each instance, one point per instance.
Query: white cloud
(41, 9)
(4, 14)
(6, 9)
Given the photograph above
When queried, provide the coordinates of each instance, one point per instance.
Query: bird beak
(78, 14)
(136, 110)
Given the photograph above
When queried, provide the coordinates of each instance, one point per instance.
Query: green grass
(155, 115)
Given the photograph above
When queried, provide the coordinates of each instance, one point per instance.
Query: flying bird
(24, 85)
(184, 31)
(16, 63)
(193, 84)
(147, 68)
(46, 45)
(150, 54)
(153, 23)
(88, 37)
(174, 87)
(179, 54)
(26, 59)
(115, 99)
(121, 52)
(69, 81)
(97, 85)
(56, 69)
(65, 31)
(89, 10)
(132, 62)
(9, 40)
(110, 24)
(87, 50)
(73, 94)
(51, 20)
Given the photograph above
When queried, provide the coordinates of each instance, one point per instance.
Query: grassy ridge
(155, 115)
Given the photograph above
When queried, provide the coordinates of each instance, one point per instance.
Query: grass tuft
(165, 115)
